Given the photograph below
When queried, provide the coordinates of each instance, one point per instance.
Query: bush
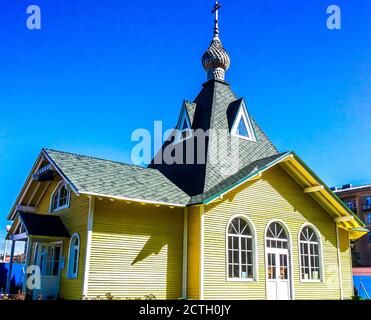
(110, 297)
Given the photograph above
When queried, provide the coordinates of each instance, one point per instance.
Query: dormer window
(184, 130)
(60, 198)
(242, 127)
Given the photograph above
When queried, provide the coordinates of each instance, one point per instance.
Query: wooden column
(28, 248)
(8, 282)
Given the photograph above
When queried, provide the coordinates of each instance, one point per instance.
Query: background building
(358, 199)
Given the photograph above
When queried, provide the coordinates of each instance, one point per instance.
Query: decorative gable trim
(242, 123)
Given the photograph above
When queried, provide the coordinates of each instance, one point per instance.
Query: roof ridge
(96, 158)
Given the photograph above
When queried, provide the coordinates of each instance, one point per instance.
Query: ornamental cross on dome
(216, 11)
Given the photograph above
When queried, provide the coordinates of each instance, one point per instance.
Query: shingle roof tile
(105, 177)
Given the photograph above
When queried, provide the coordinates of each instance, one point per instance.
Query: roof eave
(60, 172)
(328, 191)
(338, 208)
(137, 200)
(245, 179)
(43, 155)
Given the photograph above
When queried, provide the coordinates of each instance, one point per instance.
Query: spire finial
(216, 60)
(216, 11)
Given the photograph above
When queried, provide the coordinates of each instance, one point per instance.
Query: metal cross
(216, 11)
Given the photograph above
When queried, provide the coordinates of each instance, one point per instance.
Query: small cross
(216, 10)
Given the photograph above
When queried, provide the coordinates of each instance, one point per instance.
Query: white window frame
(179, 132)
(57, 191)
(254, 249)
(69, 274)
(242, 114)
(320, 252)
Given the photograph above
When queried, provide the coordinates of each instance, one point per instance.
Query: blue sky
(97, 70)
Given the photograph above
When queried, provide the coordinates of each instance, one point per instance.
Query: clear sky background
(97, 70)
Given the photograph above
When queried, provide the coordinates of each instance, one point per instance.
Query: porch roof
(41, 225)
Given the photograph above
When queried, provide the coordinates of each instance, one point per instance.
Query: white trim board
(88, 245)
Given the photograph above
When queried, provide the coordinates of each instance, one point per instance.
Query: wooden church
(240, 221)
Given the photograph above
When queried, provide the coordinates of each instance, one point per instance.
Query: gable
(36, 186)
(308, 183)
(97, 177)
(277, 192)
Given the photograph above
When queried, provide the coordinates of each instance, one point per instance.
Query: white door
(278, 282)
(48, 259)
(277, 263)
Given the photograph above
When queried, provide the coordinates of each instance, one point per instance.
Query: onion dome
(216, 60)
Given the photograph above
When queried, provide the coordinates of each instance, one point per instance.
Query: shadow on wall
(291, 192)
(16, 279)
(163, 230)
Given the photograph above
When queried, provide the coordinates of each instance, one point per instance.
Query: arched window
(309, 254)
(73, 257)
(240, 249)
(60, 198)
(276, 236)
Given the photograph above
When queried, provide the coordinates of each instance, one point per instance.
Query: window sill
(310, 281)
(240, 280)
(243, 137)
(60, 209)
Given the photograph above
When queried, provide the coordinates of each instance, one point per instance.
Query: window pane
(230, 242)
(271, 266)
(236, 271)
(249, 244)
(235, 243)
(249, 258)
(233, 227)
(243, 258)
(236, 256)
(250, 272)
(230, 270)
(244, 243)
(76, 254)
(241, 129)
(283, 267)
(230, 256)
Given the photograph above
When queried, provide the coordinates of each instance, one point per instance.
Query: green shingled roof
(248, 171)
(214, 108)
(115, 179)
(88, 175)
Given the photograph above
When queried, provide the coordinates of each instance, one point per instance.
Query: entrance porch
(43, 236)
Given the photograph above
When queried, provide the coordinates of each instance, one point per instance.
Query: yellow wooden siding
(193, 277)
(275, 196)
(75, 218)
(136, 251)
